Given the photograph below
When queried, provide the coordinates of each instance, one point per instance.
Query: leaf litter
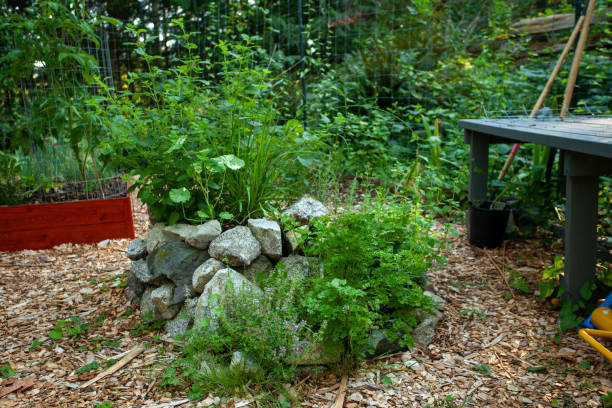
(511, 338)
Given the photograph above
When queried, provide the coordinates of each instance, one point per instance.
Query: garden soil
(495, 347)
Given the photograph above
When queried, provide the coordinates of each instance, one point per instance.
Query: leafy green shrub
(266, 328)
(203, 149)
(374, 262)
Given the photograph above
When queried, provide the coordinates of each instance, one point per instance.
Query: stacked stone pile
(177, 269)
(181, 272)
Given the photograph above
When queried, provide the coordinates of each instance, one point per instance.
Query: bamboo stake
(571, 81)
(544, 93)
(553, 75)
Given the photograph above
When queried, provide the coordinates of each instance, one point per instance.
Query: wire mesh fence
(376, 48)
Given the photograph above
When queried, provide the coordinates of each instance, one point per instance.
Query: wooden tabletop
(586, 134)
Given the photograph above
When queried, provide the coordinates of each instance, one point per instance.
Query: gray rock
(296, 265)
(135, 288)
(162, 301)
(147, 308)
(305, 209)
(378, 343)
(156, 237)
(176, 261)
(181, 293)
(291, 239)
(204, 273)
(425, 331)
(243, 363)
(219, 285)
(183, 321)
(440, 303)
(141, 271)
(137, 249)
(198, 236)
(259, 267)
(237, 245)
(268, 233)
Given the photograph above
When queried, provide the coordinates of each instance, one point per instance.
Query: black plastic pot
(486, 227)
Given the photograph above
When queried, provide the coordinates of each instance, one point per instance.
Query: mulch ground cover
(495, 347)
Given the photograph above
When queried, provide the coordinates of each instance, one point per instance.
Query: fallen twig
(115, 367)
(339, 402)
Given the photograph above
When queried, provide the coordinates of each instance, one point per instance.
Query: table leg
(580, 233)
(479, 166)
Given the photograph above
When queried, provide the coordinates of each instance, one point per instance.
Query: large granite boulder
(305, 209)
(268, 233)
(176, 261)
(215, 292)
(197, 236)
(204, 273)
(238, 246)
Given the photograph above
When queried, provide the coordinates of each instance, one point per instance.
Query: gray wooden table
(586, 146)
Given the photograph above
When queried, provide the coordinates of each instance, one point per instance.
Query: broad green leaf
(226, 216)
(232, 162)
(180, 195)
(178, 143)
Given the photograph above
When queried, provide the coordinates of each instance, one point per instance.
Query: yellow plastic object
(602, 319)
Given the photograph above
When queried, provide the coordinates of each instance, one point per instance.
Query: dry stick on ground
(115, 367)
(339, 402)
(501, 273)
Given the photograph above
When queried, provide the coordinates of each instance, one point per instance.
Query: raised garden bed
(41, 226)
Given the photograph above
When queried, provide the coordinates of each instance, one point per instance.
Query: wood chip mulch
(495, 347)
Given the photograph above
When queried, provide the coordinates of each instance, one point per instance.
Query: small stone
(162, 300)
(182, 292)
(147, 308)
(291, 239)
(268, 233)
(183, 321)
(355, 397)
(305, 209)
(204, 273)
(260, 267)
(137, 249)
(425, 331)
(296, 265)
(135, 287)
(176, 261)
(197, 236)
(238, 246)
(141, 271)
(440, 303)
(156, 237)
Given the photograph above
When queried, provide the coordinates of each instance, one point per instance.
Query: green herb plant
(374, 262)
